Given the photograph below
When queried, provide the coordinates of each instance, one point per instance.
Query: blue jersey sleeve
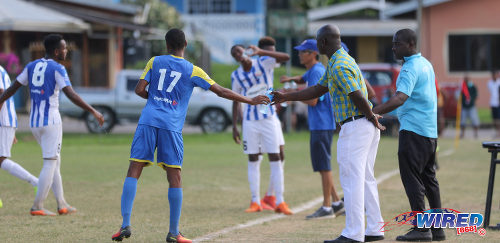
(406, 81)
(201, 79)
(146, 74)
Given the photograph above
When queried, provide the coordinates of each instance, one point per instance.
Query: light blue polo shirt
(320, 117)
(419, 113)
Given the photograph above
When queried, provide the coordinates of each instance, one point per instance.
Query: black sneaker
(122, 233)
(338, 210)
(438, 234)
(321, 212)
(341, 239)
(370, 238)
(177, 238)
(416, 234)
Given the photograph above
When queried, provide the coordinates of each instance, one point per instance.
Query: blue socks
(175, 200)
(128, 195)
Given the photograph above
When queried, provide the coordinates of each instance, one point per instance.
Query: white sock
(336, 203)
(254, 180)
(328, 209)
(18, 171)
(57, 186)
(44, 182)
(270, 189)
(277, 180)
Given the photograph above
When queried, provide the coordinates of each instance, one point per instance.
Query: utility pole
(419, 24)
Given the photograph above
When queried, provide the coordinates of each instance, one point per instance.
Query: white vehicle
(121, 103)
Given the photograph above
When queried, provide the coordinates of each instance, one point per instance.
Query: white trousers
(356, 152)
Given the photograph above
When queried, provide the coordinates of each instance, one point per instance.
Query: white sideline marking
(298, 209)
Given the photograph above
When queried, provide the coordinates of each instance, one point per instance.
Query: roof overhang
(16, 15)
(408, 6)
(364, 27)
(343, 8)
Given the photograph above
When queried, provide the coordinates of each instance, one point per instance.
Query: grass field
(216, 192)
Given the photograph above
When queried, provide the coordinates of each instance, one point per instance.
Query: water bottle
(265, 108)
(287, 85)
(293, 85)
(249, 52)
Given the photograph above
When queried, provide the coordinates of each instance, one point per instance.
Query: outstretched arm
(279, 56)
(305, 94)
(231, 95)
(236, 115)
(393, 103)
(77, 100)
(9, 92)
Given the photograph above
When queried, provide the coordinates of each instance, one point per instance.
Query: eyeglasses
(305, 51)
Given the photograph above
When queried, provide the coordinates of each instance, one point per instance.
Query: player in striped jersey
(8, 124)
(171, 80)
(260, 132)
(45, 78)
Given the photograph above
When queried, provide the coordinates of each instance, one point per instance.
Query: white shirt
(493, 86)
(7, 111)
(255, 82)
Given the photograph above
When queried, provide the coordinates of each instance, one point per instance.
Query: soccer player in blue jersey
(171, 80)
(45, 78)
(260, 132)
(8, 124)
(322, 126)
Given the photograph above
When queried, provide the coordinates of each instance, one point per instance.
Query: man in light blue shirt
(417, 101)
(322, 126)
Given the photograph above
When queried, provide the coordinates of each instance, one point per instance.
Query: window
(473, 52)
(378, 78)
(131, 83)
(209, 6)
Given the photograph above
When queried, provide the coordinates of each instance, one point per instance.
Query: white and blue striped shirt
(45, 78)
(7, 111)
(255, 82)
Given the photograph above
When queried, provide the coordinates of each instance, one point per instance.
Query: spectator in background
(469, 97)
(493, 86)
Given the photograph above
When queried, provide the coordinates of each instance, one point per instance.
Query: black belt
(350, 119)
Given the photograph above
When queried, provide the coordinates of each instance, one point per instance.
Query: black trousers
(417, 157)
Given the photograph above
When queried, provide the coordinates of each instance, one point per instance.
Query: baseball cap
(309, 44)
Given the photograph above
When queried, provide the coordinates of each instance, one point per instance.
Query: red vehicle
(382, 77)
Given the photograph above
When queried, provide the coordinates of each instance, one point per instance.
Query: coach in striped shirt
(358, 139)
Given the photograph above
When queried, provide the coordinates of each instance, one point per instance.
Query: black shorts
(321, 149)
(495, 112)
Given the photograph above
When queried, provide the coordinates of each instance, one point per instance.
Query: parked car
(382, 77)
(121, 103)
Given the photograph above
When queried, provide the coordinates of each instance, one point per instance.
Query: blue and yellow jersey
(171, 81)
(343, 77)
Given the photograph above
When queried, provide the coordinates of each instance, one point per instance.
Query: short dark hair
(266, 41)
(175, 39)
(234, 47)
(407, 35)
(51, 42)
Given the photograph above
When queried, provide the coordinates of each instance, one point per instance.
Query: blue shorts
(170, 147)
(321, 147)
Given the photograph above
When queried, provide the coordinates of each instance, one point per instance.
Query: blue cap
(309, 44)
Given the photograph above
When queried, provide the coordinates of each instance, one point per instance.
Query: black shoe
(338, 210)
(122, 233)
(341, 239)
(370, 238)
(416, 234)
(438, 234)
